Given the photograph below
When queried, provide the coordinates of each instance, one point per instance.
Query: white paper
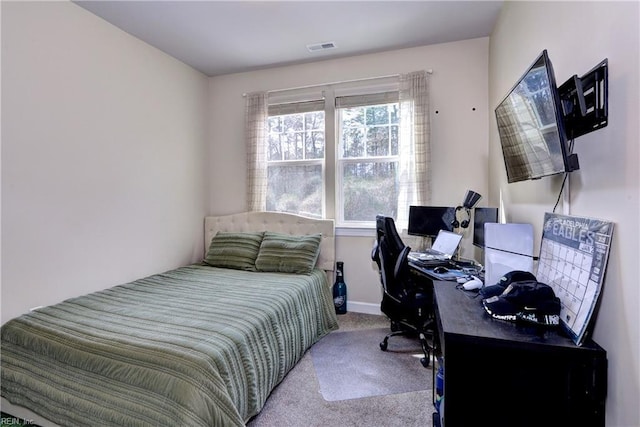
(508, 247)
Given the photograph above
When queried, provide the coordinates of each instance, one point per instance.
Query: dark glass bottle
(340, 290)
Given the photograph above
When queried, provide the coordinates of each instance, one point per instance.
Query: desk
(501, 374)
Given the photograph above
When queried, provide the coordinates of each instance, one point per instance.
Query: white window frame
(332, 180)
(304, 162)
(384, 97)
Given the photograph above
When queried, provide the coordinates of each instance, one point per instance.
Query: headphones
(464, 222)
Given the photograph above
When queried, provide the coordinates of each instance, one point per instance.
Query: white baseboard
(364, 307)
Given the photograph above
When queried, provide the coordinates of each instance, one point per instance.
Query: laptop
(443, 248)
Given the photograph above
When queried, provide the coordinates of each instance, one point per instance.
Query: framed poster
(573, 259)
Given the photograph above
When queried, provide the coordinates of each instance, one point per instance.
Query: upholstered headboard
(280, 223)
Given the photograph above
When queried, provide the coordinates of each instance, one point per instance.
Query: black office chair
(406, 303)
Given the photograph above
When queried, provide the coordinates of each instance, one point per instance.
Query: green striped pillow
(286, 253)
(234, 250)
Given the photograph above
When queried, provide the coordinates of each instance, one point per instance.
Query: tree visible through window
(368, 161)
(295, 161)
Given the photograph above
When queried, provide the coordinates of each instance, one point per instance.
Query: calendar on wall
(573, 259)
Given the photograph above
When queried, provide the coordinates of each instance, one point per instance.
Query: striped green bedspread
(195, 346)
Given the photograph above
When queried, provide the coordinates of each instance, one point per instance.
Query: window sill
(355, 232)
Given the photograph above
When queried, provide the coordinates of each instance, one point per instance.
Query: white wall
(459, 134)
(577, 36)
(106, 167)
(104, 143)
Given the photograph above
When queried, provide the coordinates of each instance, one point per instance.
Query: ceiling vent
(321, 46)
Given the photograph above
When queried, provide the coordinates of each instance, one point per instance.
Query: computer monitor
(480, 217)
(427, 221)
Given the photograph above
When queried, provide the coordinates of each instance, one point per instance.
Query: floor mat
(350, 365)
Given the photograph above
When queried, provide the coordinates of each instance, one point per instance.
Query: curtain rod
(429, 71)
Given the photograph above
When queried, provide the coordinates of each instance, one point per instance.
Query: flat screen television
(480, 217)
(427, 221)
(531, 126)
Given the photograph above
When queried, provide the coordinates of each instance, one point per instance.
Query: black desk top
(461, 313)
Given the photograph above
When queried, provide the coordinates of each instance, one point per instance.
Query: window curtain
(414, 181)
(256, 114)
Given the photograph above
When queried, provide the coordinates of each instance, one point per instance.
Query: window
(295, 159)
(367, 162)
(347, 157)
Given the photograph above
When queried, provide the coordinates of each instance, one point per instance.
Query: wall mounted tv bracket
(585, 101)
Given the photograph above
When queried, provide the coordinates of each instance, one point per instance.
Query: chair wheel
(425, 362)
(383, 345)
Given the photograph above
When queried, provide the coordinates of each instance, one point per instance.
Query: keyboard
(434, 263)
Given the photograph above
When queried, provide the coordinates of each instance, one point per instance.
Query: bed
(200, 345)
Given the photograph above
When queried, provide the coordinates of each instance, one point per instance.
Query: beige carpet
(350, 365)
(297, 401)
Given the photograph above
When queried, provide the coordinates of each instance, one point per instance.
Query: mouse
(440, 270)
(472, 284)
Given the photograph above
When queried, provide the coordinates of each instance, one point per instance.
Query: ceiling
(223, 37)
